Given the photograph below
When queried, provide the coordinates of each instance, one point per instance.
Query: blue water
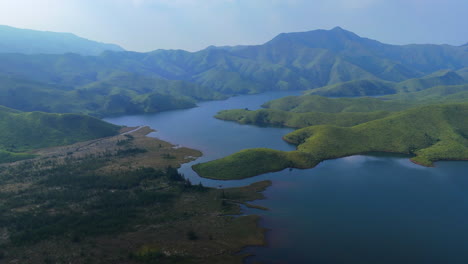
(196, 128)
(359, 209)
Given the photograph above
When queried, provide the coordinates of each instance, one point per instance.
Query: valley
(217, 155)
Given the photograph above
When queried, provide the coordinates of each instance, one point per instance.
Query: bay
(375, 208)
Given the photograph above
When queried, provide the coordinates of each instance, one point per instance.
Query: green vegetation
(83, 209)
(315, 103)
(130, 82)
(430, 133)
(397, 102)
(379, 87)
(308, 110)
(8, 156)
(24, 131)
(248, 163)
(273, 117)
(454, 93)
(120, 93)
(119, 199)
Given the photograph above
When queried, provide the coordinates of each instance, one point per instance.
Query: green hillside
(315, 103)
(452, 93)
(131, 82)
(24, 131)
(379, 87)
(431, 133)
(356, 88)
(308, 110)
(271, 117)
(120, 93)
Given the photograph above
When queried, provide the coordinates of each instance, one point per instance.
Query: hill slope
(15, 40)
(431, 133)
(378, 87)
(24, 131)
(271, 117)
(290, 61)
(120, 93)
(308, 110)
(315, 103)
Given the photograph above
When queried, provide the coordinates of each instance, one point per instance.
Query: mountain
(379, 87)
(290, 61)
(309, 110)
(325, 57)
(24, 131)
(15, 40)
(118, 93)
(272, 117)
(430, 133)
(315, 103)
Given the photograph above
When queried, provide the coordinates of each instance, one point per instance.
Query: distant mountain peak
(28, 41)
(335, 39)
(337, 28)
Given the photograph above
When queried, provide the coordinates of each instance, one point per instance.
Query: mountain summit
(290, 61)
(336, 39)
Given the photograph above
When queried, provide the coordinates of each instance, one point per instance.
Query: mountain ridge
(291, 61)
(28, 41)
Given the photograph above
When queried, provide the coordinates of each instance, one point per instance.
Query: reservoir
(375, 208)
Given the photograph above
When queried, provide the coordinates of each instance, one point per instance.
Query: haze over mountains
(15, 40)
(77, 189)
(117, 82)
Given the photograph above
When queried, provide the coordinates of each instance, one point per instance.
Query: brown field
(197, 225)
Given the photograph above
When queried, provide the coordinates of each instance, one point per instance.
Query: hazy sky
(144, 25)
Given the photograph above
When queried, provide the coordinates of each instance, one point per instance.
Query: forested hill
(15, 40)
(430, 133)
(305, 60)
(24, 131)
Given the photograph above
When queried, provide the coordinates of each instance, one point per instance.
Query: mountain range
(118, 82)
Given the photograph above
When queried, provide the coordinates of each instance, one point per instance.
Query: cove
(359, 209)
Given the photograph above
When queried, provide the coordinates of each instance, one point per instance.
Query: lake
(375, 208)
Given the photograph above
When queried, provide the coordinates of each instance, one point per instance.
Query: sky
(145, 25)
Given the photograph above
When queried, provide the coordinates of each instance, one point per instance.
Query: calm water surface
(359, 209)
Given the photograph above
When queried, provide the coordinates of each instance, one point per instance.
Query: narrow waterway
(359, 209)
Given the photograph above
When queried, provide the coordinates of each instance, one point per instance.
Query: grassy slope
(379, 87)
(452, 93)
(357, 88)
(298, 120)
(308, 110)
(436, 132)
(397, 102)
(119, 93)
(315, 103)
(23, 131)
